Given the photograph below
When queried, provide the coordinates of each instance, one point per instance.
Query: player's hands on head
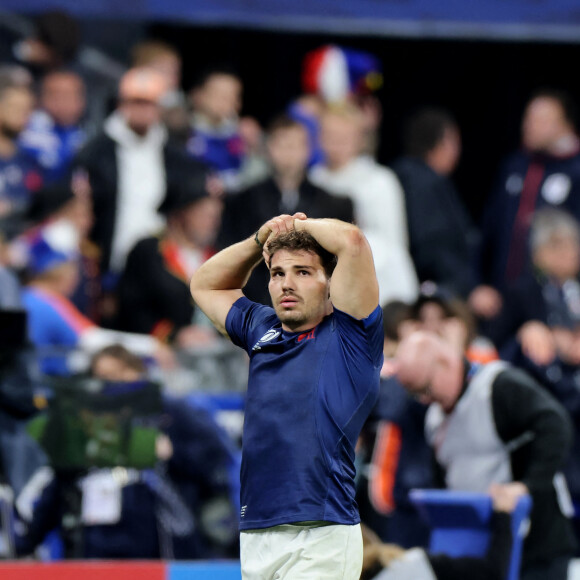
(281, 224)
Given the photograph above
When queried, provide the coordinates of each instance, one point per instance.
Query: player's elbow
(355, 241)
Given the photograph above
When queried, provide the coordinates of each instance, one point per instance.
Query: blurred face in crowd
(63, 278)
(140, 114)
(559, 257)
(289, 150)
(220, 97)
(341, 138)
(201, 221)
(450, 147)
(429, 370)
(431, 316)
(110, 368)
(63, 98)
(299, 289)
(544, 123)
(16, 106)
(169, 65)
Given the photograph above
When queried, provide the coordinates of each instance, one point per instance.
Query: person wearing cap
(128, 166)
(59, 203)
(55, 326)
(163, 306)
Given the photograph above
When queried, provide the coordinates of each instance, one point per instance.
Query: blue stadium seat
(460, 523)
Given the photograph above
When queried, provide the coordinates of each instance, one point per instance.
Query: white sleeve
(384, 222)
(95, 338)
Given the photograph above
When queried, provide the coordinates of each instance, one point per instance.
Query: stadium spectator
(288, 190)
(442, 239)
(58, 203)
(54, 133)
(314, 374)
(542, 311)
(379, 205)
(494, 424)
(56, 327)
(539, 326)
(128, 166)
(438, 310)
(546, 172)
(20, 175)
(390, 562)
(163, 307)
(216, 137)
(166, 60)
(163, 512)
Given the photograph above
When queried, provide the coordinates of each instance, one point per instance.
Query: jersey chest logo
(268, 337)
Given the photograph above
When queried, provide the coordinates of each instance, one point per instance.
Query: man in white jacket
(378, 199)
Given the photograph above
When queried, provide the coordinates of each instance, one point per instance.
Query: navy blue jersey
(20, 177)
(309, 394)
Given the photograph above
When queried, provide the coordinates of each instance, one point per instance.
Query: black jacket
(442, 238)
(98, 158)
(163, 304)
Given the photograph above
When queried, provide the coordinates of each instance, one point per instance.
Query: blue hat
(56, 244)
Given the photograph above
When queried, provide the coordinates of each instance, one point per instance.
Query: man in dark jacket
(128, 166)
(287, 191)
(440, 231)
(544, 173)
(163, 306)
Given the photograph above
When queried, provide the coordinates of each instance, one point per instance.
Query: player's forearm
(335, 236)
(228, 269)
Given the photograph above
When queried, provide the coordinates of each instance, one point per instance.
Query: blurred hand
(165, 357)
(485, 301)
(163, 447)
(505, 496)
(454, 331)
(195, 335)
(5, 207)
(389, 552)
(537, 342)
(566, 345)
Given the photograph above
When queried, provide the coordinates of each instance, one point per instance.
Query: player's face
(299, 289)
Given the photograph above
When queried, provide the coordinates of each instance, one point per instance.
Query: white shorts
(302, 552)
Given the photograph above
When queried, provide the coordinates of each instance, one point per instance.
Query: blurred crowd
(113, 194)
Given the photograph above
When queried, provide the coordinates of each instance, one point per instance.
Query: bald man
(492, 424)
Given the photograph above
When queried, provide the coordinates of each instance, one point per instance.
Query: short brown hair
(301, 241)
(122, 354)
(147, 51)
(282, 122)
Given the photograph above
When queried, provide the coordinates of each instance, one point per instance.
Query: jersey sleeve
(246, 322)
(362, 337)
